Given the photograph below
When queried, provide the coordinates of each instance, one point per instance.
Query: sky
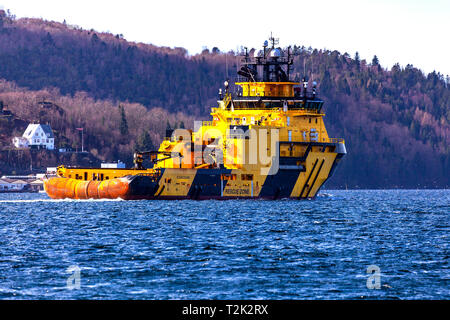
(403, 31)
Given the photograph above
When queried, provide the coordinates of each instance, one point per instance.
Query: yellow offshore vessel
(267, 139)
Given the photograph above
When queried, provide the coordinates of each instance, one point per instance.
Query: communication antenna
(274, 41)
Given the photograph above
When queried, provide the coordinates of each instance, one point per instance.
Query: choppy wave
(319, 249)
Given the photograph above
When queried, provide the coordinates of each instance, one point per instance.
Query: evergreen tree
(325, 84)
(48, 40)
(123, 121)
(375, 61)
(343, 86)
(357, 59)
(145, 142)
(95, 38)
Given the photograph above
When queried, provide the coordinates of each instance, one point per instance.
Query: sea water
(355, 244)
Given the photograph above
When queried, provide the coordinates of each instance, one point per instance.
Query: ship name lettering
(237, 191)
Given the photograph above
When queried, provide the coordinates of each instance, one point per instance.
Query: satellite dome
(276, 53)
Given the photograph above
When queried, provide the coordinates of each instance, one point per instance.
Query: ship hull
(290, 181)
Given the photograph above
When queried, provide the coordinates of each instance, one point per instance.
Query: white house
(39, 136)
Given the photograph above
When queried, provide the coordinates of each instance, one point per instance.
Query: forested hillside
(395, 122)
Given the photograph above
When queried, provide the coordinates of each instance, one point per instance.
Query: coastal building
(13, 185)
(4, 184)
(37, 185)
(36, 136)
(22, 183)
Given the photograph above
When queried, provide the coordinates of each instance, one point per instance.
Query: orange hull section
(62, 188)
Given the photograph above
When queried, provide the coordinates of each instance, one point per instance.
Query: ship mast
(270, 65)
